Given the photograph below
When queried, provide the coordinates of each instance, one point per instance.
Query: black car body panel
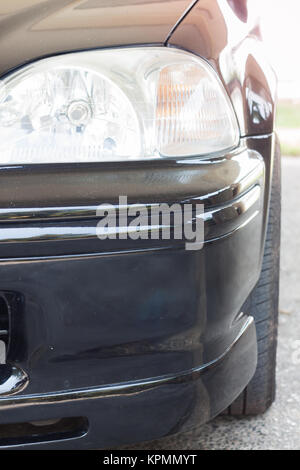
(138, 339)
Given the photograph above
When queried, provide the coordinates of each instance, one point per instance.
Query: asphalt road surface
(279, 427)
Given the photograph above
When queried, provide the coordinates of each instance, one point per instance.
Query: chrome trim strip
(216, 217)
(235, 209)
(15, 382)
(32, 214)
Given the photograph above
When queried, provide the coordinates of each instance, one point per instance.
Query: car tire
(262, 304)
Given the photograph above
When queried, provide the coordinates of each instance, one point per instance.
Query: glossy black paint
(142, 338)
(221, 184)
(48, 27)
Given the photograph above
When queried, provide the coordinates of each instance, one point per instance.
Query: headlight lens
(117, 104)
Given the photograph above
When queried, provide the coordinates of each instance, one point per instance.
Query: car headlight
(115, 104)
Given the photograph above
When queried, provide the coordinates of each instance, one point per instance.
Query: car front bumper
(140, 338)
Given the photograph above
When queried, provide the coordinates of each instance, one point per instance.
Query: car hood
(37, 28)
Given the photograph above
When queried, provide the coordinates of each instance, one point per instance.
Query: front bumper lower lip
(125, 413)
(129, 388)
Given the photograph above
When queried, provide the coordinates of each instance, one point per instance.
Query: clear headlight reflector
(113, 105)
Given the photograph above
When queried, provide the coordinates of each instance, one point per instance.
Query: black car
(139, 219)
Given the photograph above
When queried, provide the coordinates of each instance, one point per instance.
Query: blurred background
(281, 35)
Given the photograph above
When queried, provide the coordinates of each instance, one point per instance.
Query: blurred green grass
(289, 150)
(288, 115)
(288, 127)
